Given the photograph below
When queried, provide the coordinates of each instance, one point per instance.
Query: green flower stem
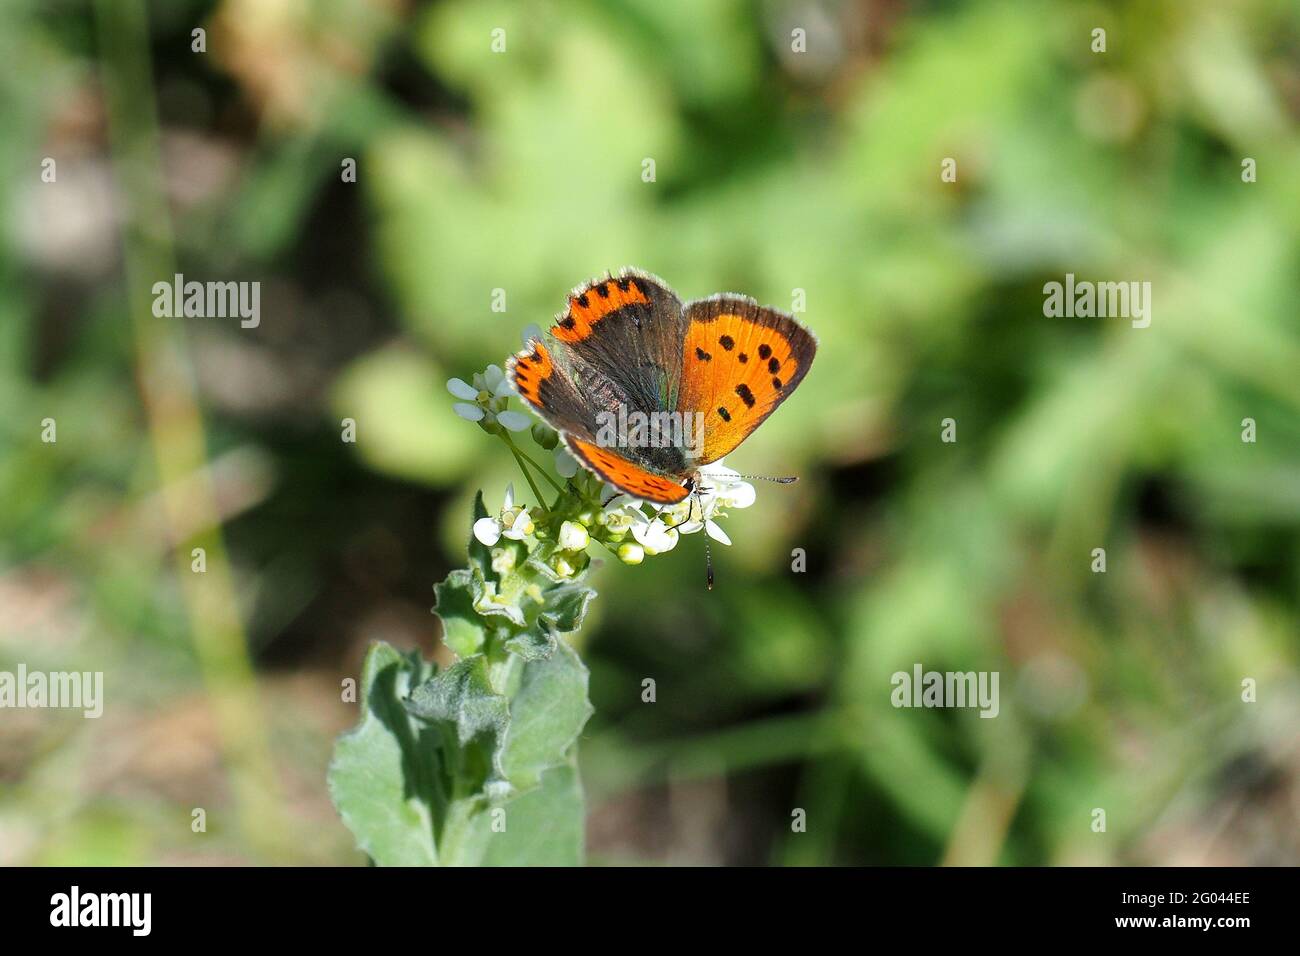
(527, 475)
(540, 470)
(454, 845)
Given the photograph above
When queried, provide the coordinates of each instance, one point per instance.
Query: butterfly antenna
(708, 555)
(708, 564)
(780, 481)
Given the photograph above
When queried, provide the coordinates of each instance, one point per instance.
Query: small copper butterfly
(702, 375)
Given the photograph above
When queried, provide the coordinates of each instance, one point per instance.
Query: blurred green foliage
(775, 171)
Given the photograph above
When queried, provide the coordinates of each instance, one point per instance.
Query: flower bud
(573, 536)
(545, 436)
(503, 560)
(631, 553)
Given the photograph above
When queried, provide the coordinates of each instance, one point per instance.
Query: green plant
(477, 763)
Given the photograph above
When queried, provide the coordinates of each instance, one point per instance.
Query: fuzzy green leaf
(492, 602)
(382, 776)
(535, 643)
(543, 827)
(462, 626)
(462, 702)
(547, 714)
(566, 606)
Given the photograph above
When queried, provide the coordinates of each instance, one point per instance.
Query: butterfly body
(644, 389)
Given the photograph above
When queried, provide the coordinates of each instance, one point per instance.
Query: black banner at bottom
(339, 906)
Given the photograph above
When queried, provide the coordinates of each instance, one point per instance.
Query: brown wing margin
(625, 475)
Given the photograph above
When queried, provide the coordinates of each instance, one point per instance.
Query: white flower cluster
(720, 489)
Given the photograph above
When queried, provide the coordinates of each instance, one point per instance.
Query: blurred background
(775, 171)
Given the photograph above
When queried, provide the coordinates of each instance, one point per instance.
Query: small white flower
(515, 421)
(741, 494)
(573, 536)
(516, 524)
(621, 516)
(720, 489)
(681, 516)
(487, 400)
(724, 488)
(565, 464)
(654, 536)
(488, 530)
(462, 389)
(513, 522)
(496, 382)
(630, 553)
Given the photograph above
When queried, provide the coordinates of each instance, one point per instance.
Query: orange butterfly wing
(740, 361)
(528, 370)
(598, 299)
(625, 475)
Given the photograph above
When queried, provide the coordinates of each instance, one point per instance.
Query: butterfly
(644, 390)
